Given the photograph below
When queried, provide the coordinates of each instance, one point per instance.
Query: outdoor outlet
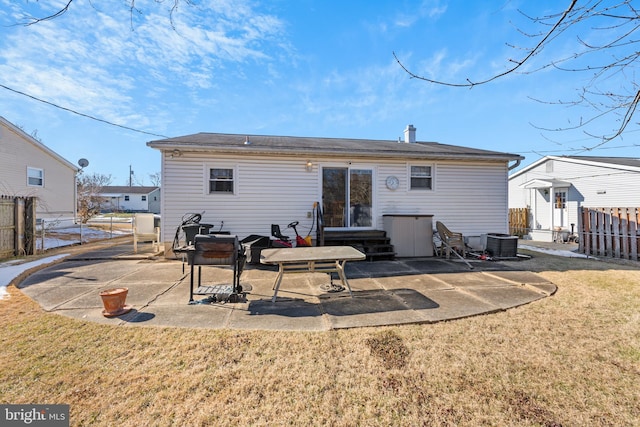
(308, 214)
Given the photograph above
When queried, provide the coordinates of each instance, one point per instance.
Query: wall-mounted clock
(392, 182)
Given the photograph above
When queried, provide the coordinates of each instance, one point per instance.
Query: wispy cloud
(98, 58)
(431, 9)
(359, 98)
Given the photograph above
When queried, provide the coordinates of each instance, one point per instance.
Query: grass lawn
(572, 359)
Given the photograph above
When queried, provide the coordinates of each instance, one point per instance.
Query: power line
(575, 149)
(81, 114)
(538, 152)
(577, 177)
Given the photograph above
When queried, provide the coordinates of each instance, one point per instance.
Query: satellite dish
(83, 163)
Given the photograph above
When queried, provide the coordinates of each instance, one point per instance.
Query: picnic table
(323, 259)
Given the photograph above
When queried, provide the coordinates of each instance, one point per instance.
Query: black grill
(215, 249)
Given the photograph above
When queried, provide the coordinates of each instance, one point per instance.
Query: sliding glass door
(347, 197)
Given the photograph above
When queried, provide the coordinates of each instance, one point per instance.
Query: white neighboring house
(130, 198)
(555, 187)
(250, 182)
(28, 168)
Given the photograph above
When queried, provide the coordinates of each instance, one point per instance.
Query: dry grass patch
(572, 360)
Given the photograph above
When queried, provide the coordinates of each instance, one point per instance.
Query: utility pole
(130, 175)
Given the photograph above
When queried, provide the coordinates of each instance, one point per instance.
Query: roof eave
(163, 146)
(569, 159)
(539, 183)
(39, 145)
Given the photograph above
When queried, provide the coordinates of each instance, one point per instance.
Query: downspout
(515, 165)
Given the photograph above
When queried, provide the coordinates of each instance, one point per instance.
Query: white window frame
(144, 198)
(350, 167)
(207, 180)
(35, 173)
(432, 168)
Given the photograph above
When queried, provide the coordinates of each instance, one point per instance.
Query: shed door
(347, 198)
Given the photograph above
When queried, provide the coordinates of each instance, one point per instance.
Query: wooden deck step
(373, 243)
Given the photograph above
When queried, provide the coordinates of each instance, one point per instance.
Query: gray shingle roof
(289, 145)
(622, 161)
(126, 189)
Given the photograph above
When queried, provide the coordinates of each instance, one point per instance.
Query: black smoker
(216, 249)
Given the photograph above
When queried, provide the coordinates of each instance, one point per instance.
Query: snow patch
(557, 252)
(11, 270)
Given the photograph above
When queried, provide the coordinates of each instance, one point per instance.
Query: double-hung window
(35, 177)
(221, 180)
(421, 177)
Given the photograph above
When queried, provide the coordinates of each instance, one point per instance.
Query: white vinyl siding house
(555, 187)
(130, 199)
(277, 180)
(30, 169)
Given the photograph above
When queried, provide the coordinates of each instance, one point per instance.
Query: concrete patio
(411, 290)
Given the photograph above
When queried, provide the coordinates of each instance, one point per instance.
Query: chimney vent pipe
(410, 134)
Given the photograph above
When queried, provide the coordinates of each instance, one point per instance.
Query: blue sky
(299, 68)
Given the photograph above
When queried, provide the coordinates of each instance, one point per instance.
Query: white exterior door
(560, 213)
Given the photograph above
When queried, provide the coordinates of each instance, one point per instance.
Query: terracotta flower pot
(114, 302)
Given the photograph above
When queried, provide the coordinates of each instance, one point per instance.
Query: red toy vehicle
(283, 241)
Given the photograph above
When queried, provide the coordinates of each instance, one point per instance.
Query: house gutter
(515, 165)
(168, 148)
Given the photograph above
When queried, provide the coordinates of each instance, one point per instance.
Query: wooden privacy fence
(609, 232)
(518, 221)
(17, 226)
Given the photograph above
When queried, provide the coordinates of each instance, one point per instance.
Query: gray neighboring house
(130, 198)
(555, 187)
(28, 168)
(248, 182)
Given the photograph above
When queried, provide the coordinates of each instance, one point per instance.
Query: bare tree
(611, 92)
(33, 134)
(89, 199)
(174, 4)
(155, 179)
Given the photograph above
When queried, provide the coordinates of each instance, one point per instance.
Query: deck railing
(319, 225)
